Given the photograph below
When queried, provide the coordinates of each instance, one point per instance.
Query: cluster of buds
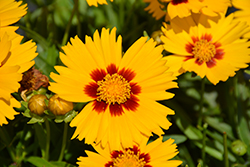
(39, 104)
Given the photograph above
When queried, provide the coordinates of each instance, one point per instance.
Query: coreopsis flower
(156, 153)
(15, 58)
(121, 89)
(6, 110)
(215, 50)
(183, 8)
(243, 14)
(19, 54)
(96, 2)
(11, 11)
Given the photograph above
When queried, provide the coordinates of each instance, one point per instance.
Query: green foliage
(226, 106)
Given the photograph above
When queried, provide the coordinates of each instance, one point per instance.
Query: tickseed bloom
(19, 54)
(9, 74)
(96, 2)
(121, 89)
(156, 153)
(15, 58)
(243, 14)
(215, 52)
(11, 11)
(183, 8)
(6, 110)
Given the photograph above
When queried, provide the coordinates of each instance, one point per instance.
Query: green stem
(201, 101)
(225, 150)
(47, 139)
(204, 144)
(66, 34)
(64, 141)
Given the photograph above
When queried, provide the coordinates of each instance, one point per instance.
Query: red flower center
(204, 51)
(113, 89)
(130, 157)
(176, 2)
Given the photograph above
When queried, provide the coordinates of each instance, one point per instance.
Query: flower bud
(59, 106)
(37, 104)
(156, 36)
(239, 148)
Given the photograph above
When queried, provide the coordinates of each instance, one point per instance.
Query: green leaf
(178, 138)
(26, 113)
(35, 119)
(211, 151)
(47, 59)
(69, 116)
(220, 126)
(61, 164)
(243, 131)
(39, 162)
(190, 131)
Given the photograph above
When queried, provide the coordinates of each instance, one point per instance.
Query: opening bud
(59, 106)
(37, 104)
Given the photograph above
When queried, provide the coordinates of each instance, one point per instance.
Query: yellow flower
(9, 75)
(156, 153)
(243, 14)
(11, 11)
(6, 110)
(15, 58)
(184, 8)
(156, 8)
(121, 89)
(19, 54)
(96, 2)
(215, 51)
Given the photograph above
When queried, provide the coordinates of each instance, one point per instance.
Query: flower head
(121, 90)
(156, 153)
(10, 12)
(183, 8)
(215, 50)
(243, 14)
(9, 75)
(6, 110)
(96, 2)
(15, 58)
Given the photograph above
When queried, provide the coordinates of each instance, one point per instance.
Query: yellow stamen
(128, 159)
(113, 89)
(204, 50)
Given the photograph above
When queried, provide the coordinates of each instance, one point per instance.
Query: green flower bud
(238, 147)
(37, 104)
(59, 106)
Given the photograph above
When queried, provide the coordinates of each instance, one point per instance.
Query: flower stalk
(64, 141)
(201, 101)
(47, 139)
(204, 144)
(226, 164)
